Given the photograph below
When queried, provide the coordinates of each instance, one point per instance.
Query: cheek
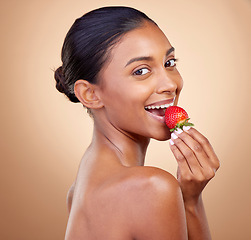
(115, 95)
(126, 93)
(124, 104)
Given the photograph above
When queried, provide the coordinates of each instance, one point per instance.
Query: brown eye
(170, 63)
(141, 71)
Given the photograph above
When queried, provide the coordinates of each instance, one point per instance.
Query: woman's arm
(197, 164)
(197, 224)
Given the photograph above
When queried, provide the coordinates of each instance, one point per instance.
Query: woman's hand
(197, 162)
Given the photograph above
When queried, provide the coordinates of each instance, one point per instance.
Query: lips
(157, 110)
(160, 104)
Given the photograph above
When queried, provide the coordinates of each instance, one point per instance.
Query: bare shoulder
(138, 202)
(149, 186)
(155, 199)
(152, 179)
(156, 174)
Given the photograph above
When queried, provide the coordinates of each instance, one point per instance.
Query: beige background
(43, 136)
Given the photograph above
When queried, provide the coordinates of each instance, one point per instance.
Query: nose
(167, 82)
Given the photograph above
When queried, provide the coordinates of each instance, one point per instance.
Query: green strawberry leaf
(181, 125)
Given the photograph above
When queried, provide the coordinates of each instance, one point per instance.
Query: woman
(117, 62)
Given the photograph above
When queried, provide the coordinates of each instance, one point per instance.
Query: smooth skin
(116, 197)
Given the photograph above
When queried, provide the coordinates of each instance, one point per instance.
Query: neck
(130, 150)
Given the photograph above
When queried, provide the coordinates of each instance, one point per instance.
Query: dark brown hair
(87, 44)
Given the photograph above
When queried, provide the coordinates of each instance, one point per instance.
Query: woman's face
(139, 79)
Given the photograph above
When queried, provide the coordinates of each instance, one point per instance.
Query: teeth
(161, 106)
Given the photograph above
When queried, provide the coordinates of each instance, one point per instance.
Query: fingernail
(173, 136)
(186, 128)
(171, 142)
(178, 131)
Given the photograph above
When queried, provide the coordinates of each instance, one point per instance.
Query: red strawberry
(176, 117)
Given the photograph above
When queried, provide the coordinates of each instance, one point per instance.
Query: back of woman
(120, 203)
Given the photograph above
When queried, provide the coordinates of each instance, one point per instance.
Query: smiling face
(139, 82)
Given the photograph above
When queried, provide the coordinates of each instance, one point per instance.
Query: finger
(204, 142)
(187, 152)
(184, 167)
(195, 146)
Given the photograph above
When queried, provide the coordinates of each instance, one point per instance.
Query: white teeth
(161, 106)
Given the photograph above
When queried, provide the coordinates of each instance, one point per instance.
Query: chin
(162, 135)
(162, 138)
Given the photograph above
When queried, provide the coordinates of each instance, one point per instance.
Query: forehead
(147, 40)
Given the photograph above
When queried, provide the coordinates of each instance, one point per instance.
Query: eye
(141, 71)
(171, 62)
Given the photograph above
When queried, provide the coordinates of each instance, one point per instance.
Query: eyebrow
(147, 58)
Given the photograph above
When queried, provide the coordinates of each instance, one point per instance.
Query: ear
(87, 94)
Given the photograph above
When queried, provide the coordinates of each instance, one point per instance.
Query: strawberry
(176, 117)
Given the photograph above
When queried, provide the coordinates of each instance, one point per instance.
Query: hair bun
(59, 77)
(62, 85)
